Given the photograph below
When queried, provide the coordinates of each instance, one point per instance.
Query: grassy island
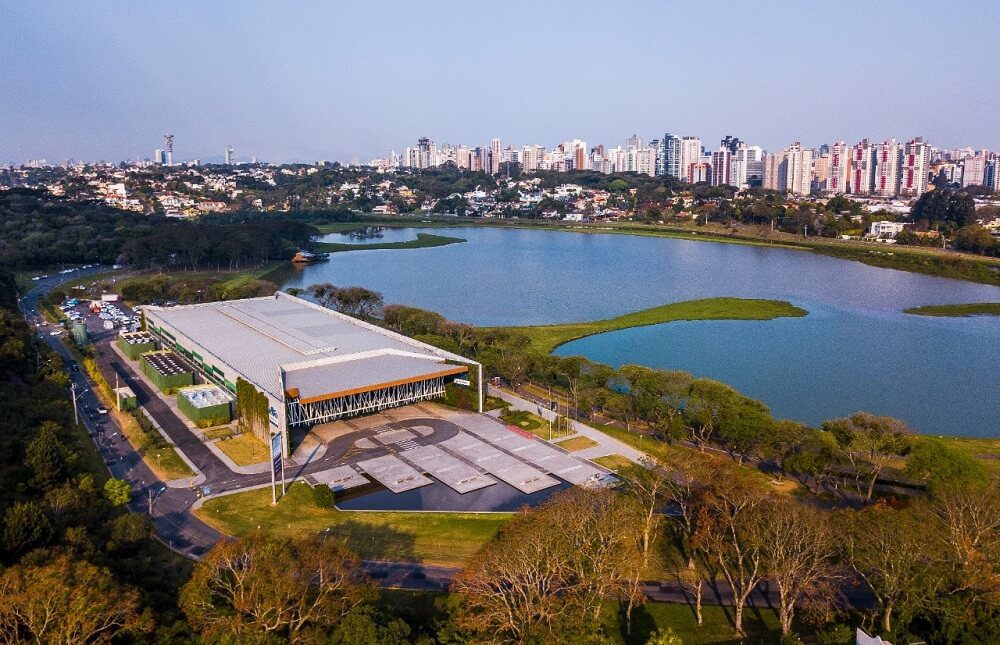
(423, 241)
(545, 338)
(957, 311)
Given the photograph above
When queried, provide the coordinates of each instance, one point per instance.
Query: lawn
(576, 443)
(761, 625)
(546, 338)
(612, 462)
(424, 240)
(244, 449)
(957, 311)
(446, 539)
(984, 449)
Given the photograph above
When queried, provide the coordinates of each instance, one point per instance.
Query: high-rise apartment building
(914, 168)
(838, 168)
(721, 166)
(795, 171)
(974, 170)
(670, 156)
(159, 157)
(494, 159)
(228, 155)
(862, 168)
(634, 142)
(887, 168)
(690, 154)
(772, 170)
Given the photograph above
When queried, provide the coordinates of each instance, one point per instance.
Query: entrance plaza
(418, 444)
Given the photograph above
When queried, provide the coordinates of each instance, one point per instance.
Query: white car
(55, 333)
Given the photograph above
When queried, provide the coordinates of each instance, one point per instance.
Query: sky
(305, 81)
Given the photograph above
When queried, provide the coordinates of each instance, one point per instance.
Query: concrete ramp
(498, 463)
(393, 473)
(538, 453)
(341, 478)
(452, 471)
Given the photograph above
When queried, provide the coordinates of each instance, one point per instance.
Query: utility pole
(118, 396)
(76, 414)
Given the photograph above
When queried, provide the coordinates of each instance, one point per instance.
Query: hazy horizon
(106, 80)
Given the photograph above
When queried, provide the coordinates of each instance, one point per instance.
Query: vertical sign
(277, 467)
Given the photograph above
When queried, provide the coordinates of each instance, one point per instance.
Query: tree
(706, 402)
(551, 570)
(968, 519)
(798, 547)
(67, 601)
(646, 485)
(976, 239)
(117, 491)
(25, 525)
(870, 443)
(46, 456)
(890, 550)
(937, 463)
(783, 443)
(280, 587)
(729, 516)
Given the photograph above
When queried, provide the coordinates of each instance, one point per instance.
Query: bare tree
(552, 568)
(799, 548)
(727, 530)
(890, 550)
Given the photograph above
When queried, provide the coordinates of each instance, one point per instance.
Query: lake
(855, 350)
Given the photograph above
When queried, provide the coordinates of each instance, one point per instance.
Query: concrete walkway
(606, 445)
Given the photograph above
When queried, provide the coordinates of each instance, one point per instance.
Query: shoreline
(923, 260)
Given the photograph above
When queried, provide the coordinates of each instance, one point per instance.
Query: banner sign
(276, 456)
(462, 381)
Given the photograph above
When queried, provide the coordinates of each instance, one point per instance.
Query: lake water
(855, 350)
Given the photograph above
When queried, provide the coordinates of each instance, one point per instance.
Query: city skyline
(278, 87)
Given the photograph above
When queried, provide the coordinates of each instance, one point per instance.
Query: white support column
(479, 386)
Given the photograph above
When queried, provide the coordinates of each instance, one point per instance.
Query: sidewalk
(605, 445)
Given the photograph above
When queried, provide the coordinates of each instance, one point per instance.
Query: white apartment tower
(838, 169)
(887, 168)
(862, 168)
(914, 168)
(690, 155)
(795, 172)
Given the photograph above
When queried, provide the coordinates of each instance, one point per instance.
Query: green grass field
(423, 241)
(244, 449)
(576, 443)
(957, 311)
(447, 539)
(613, 462)
(546, 338)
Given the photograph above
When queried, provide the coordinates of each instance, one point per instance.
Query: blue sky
(310, 80)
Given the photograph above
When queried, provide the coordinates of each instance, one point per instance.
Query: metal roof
(260, 337)
(363, 374)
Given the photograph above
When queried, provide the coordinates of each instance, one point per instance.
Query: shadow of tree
(374, 541)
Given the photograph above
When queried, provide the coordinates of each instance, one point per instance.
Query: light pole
(152, 497)
(72, 390)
